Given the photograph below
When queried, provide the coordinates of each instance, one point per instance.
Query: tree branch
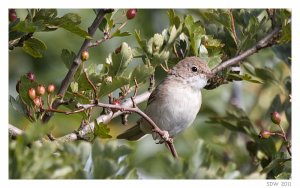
(263, 43)
(14, 131)
(76, 63)
(103, 119)
(132, 108)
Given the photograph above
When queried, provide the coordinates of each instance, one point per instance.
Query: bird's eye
(194, 69)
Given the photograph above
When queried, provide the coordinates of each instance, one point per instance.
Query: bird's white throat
(196, 82)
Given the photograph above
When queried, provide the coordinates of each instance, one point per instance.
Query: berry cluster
(265, 134)
(275, 118)
(36, 93)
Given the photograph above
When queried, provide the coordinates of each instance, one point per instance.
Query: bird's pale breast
(175, 109)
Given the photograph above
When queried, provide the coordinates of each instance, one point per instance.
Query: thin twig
(288, 147)
(19, 42)
(104, 118)
(107, 37)
(271, 14)
(162, 133)
(263, 43)
(76, 63)
(164, 68)
(90, 82)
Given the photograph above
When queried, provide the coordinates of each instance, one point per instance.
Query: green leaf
(120, 61)
(174, 33)
(245, 77)
(16, 105)
(137, 52)
(123, 150)
(75, 29)
(15, 35)
(25, 26)
(119, 34)
(101, 130)
(102, 24)
(273, 164)
(69, 22)
(195, 33)
(173, 19)
(108, 87)
(276, 105)
(74, 87)
(141, 42)
(83, 83)
(35, 132)
(214, 60)
(265, 74)
(249, 68)
(266, 145)
(34, 47)
(44, 14)
(211, 42)
(74, 18)
(132, 174)
(236, 120)
(286, 35)
(67, 57)
(154, 44)
(225, 123)
(142, 72)
(284, 175)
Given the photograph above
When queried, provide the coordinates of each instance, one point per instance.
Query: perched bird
(175, 102)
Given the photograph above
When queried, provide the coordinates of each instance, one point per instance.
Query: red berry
(84, 55)
(41, 90)
(38, 101)
(31, 93)
(275, 117)
(50, 88)
(265, 134)
(31, 76)
(12, 15)
(18, 86)
(116, 102)
(131, 13)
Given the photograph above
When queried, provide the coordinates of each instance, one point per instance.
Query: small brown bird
(174, 103)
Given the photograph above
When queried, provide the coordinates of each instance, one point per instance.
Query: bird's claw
(165, 137)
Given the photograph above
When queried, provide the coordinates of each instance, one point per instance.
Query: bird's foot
(164, 137)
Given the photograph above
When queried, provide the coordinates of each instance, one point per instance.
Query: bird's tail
(134, 133)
